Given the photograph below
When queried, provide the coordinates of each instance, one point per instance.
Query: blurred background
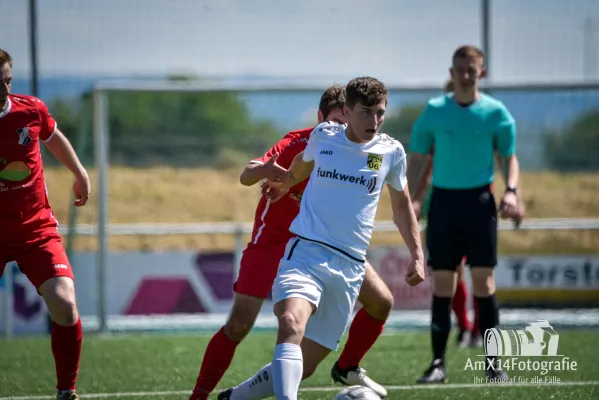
(188, 91)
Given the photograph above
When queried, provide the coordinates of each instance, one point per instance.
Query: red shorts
(258, 269)
(40, 256)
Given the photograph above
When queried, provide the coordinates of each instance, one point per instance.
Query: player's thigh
(443, 239)
(375, 296)
(43, 258)
(258, 269)
(330, 321)
(296, 284)
(480, 232)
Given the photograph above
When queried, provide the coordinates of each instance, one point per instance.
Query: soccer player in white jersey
(321, 273)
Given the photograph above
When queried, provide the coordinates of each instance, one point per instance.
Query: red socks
(66, 348)
(459, 305)
(217, 358)
(363, 332)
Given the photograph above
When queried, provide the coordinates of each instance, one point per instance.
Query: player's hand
(81, 189)
(275, 190)
(417, 209)
(508, 207)
(273, 171)
(415, 273)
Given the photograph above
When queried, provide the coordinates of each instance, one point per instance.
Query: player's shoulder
(391, 144)
(25, 101)
(495, 106)
(439, 101)
(329, 128)
(300, 133)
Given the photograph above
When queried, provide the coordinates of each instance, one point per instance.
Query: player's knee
(290, 326)
(483, 282)
(444, 283)
(59, 295)
(237, 328)
(64, 312)
(380, 306)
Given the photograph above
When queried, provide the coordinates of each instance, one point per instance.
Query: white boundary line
(325, 389)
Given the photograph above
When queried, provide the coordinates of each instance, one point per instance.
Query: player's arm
(405, 219)
(300, 169)
(61, 148)
(266, 167)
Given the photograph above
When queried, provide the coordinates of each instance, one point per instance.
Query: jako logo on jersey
(370, 183)
(24, 138)
(327, 152)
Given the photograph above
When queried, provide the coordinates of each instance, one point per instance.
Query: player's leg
(460, 307)
(476, 340)
(445, 249)
(260, 386)
(481, 250)
(43, 260)
(257, 272)
(366, 327)
(296, 293)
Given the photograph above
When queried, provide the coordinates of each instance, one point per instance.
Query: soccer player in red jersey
(29, 229)
(260, 262)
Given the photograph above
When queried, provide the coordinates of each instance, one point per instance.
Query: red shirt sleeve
(48, 123)
(279, 147)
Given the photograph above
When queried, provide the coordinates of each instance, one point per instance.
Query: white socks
(287, 370)
(259, 386)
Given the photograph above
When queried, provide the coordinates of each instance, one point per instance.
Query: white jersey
(340, 201)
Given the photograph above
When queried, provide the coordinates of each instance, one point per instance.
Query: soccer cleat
(463, 338)
(67, 395)
(434, 374)
(476, 341)
(356, 376)
(225, 394)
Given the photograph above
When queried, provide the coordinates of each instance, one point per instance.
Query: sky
(397, 41)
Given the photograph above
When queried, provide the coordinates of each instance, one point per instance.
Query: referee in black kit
(464, 128)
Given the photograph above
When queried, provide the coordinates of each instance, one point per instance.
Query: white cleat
(356, 376)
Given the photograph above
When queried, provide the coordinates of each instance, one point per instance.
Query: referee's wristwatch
(512, 188)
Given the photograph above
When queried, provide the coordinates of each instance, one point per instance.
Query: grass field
(165, 367)
(170, 195)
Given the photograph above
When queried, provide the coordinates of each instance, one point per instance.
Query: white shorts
(329, 281)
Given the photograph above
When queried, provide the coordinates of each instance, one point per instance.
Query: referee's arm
(421, 144)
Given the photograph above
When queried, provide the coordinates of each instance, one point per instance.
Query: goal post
(103, 229)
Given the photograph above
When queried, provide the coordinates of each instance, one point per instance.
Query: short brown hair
(449, 86)
(332, 98)
(468, 51)
(366, 90)
(5, 58)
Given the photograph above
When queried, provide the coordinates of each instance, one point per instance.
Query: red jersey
(23, 124)
(272, 220)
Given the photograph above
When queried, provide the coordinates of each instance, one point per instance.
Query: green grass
(167, 363)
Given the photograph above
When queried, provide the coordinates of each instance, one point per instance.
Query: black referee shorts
(462, 223)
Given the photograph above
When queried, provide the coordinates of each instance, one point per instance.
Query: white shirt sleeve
(310, 147)
(397, 173)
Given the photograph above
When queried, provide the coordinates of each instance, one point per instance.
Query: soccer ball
(357, 393)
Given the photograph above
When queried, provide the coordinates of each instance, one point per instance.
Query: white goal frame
(101, 136)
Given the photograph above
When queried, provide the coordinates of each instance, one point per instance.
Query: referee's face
(366, 120)
(466, 71)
